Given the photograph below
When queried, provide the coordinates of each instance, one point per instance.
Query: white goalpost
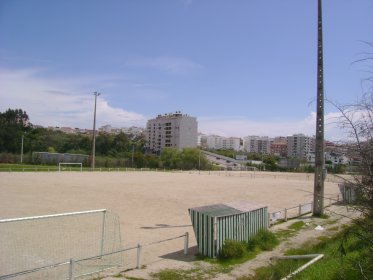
(61, 164)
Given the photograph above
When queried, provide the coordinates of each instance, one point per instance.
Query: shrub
(250, 246)
(232, 249)
(265, 240)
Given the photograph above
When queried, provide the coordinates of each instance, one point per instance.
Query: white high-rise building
(216, 142)
(257, 144)
(300, 145)
(174, 130)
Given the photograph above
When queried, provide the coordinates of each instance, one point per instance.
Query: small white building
(336, 158)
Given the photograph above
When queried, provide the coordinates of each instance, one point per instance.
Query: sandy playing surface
(151, 205)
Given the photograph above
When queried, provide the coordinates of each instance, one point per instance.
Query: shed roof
(227, 209)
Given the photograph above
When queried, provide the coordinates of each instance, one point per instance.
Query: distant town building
(215, 142)
(279, 147)
(133, 130)
(336, 158)
(257, 144)
(232, 143)
(300, 145)
(175, 130)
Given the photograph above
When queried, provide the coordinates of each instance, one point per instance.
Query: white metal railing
(314, 258)
(299, 210)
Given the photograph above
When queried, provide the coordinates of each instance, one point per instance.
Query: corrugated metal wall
(210, 238)
(203, 226)
(348, 193)
(241, 226)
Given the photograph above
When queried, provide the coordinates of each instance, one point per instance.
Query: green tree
(189, 158)
(170, 158)
(270, 163)
(13, 124)
(152, 161)
(121, 143)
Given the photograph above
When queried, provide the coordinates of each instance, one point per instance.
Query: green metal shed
(238, 220)
(349, 193)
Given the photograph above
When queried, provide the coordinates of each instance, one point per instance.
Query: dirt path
(338, 215)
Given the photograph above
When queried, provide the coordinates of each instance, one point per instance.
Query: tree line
(112, 150)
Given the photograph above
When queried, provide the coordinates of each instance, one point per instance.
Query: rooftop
(227, 209)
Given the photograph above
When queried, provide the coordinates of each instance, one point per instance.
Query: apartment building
(216, 142)
(232, 143)
(257, 144)
(279, 147)
(175, 130)
(300, 145)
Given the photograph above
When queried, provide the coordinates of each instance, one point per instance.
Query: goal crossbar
(51, 216)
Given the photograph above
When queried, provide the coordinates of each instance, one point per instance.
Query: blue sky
(241, 67)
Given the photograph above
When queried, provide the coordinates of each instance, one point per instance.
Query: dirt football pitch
(151, 205)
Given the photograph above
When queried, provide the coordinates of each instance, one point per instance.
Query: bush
(250, 246)
(265, 240)
(232, 249)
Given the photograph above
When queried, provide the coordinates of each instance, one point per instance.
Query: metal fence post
(71, 270)
(300, 209)
(139, 251)
(186, 243)
(286, 215)
(103, 233)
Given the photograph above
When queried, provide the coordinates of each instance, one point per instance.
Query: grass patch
(198, 273)
(237, 252)
(324, 216)
(233, 249)
(336, 228)
(297, 226)
(338, 262)
(233, 253)
(290, 231)
(265, 240)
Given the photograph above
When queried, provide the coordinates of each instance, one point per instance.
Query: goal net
(42, 247)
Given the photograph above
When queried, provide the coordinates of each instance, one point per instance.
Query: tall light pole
(318, 193)
(94, 132)
(23, 135)
(133, 151)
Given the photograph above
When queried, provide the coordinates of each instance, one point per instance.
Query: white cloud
(59, 102)
(169, 64)
(70, 102)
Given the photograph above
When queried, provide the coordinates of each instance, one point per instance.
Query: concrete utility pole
(94, 132)
(318, 192)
